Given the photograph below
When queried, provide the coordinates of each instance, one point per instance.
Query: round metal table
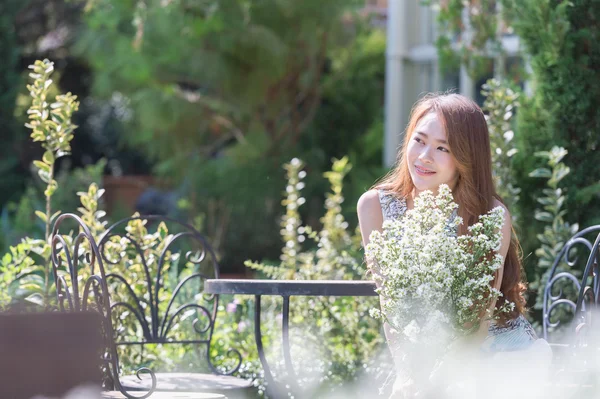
(285, 289)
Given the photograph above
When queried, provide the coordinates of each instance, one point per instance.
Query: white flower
(430, 279)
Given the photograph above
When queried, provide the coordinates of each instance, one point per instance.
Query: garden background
(261, 123)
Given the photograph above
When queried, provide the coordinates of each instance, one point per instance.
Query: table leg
(273, 390)
(292, 378)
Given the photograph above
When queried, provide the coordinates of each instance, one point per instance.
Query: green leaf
(38, 136)
(544, 216)
(6, 259)
(55, 215)
(52, 186)
(541, 172)
(551, 193)
(37, 299)
(162, 230)
(48, 157)
(46, 251)
(560, 201)
(545, 201)
(561, 172)
(42, 166)
(542, 154)
(557, 154)
(45, 176)
(42, 216)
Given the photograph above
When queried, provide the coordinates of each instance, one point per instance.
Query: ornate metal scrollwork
(586, 287)
(73, 251)
(150, 312)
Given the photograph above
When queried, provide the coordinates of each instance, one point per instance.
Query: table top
(290, 287)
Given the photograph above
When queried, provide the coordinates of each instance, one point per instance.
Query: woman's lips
(423, 172)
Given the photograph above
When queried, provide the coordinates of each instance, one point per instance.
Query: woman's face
(428, 155)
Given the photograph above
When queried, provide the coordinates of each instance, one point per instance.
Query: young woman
(447, 142)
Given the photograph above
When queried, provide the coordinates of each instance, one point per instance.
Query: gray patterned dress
(516, 334)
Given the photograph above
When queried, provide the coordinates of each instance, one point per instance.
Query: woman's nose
(425, 155)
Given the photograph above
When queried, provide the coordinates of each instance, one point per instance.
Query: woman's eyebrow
(426, 136)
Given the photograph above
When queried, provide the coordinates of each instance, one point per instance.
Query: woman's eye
(418, 140)
(443, 149)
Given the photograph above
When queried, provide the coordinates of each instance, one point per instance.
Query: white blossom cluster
(431, 281)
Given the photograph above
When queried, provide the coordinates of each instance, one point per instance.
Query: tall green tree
(199, 75)
(218, 93)
(563, 45)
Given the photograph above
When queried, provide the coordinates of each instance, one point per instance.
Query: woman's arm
(504, 244)
(370, 216)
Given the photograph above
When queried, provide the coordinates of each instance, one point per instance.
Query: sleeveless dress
(516, 335)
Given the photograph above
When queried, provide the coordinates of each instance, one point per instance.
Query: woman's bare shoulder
(368, 204)
(369, 214)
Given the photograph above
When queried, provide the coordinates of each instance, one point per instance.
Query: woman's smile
(423, 171)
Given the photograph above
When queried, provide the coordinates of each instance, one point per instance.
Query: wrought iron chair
(136, 269)
(155, 280)
(569, 288)
(571, 297)
(80, 280)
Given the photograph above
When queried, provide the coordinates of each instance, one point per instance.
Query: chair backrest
(80, 281)
(156, 267)
(573, 286)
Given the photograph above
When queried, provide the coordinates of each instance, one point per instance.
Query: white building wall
(417, 66)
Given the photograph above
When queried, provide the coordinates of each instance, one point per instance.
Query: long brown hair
(469, 142)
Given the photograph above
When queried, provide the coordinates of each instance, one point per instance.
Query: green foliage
(51, 126)
(337, 256)
(90, 214)
(72, 181)
(247, 86)
(236, 67)
(130, 260)
(19, 219)
(337, 329)
(349, 121)
(352, 99)
(25, 269)
(563, 45)
(234, 97)
(556, 231)
(234, 329)
(24, 264)
(224, 190)
(10, 82)
(474, 47)
(500, 105)
(12, 267)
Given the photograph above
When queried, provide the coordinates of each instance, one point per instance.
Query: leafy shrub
(342, 337)
(501, 101)
(557, 230)
(561, 40)
(50, 123)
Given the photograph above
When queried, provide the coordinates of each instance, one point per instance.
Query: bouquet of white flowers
(434, 284)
